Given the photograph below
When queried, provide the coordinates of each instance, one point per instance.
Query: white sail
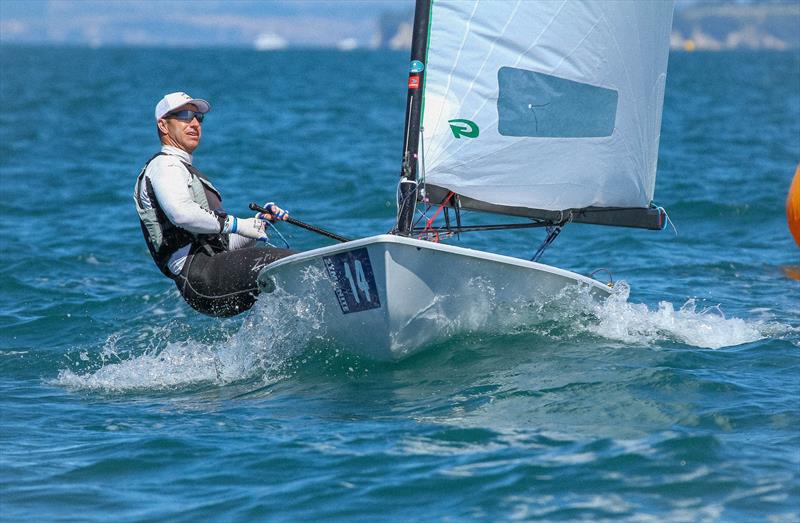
(545, 104)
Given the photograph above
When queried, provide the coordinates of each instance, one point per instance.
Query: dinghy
(546, 112)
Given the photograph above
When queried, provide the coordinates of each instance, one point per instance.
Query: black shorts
(224, 284)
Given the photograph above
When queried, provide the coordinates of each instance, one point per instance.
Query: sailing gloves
(275, 213)
(248, 227)
(254, 227)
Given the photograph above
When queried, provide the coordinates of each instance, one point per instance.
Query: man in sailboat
(211, 255)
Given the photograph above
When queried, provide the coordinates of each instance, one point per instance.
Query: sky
(195, 23)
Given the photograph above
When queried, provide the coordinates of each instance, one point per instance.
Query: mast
(407, 201)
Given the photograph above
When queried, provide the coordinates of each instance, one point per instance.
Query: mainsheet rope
(432, 218)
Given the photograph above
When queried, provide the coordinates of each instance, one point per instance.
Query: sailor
(211, 255)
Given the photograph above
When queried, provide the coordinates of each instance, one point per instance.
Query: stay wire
(552, 233)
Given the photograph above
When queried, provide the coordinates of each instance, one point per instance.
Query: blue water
(679, 401)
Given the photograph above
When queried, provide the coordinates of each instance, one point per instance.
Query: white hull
(386, 297)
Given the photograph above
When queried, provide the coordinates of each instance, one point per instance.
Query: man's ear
(162, 126)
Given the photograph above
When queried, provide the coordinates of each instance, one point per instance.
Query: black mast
(416, 78)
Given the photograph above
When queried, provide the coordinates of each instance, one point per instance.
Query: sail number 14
(353, 279)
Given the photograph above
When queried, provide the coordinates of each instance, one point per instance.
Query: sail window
(545, 106)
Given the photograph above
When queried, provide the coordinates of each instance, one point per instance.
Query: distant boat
(269, 42)
(348, 44)
(545, 111)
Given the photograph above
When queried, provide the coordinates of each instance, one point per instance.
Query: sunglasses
(186, 115)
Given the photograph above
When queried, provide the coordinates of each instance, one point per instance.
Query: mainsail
(535, 108)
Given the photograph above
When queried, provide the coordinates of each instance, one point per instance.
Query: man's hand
(248, 227)
(274, 213)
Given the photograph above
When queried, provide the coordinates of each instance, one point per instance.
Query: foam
(577, 311)
(178, 365)
(635, 323)
(280, 327)
(276, 330)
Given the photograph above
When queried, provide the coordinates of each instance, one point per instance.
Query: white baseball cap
(172, 101)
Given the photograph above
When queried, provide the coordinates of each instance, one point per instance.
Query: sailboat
(547, 113)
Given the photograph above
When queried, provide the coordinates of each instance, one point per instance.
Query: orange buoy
(792, 271)
(793, 206)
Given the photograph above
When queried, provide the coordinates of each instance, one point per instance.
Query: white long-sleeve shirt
(170, 181)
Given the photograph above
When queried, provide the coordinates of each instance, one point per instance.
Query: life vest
(163, 237)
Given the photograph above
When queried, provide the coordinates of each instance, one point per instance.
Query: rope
(669, 221)
(552, 234)
(422, 214)
(610, 282)
(401, 203)
(432, 218)
(441, 206)
(274, 228)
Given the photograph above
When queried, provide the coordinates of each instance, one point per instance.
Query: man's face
(181, 134)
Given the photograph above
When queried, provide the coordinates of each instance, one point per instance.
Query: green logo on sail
(465, 128)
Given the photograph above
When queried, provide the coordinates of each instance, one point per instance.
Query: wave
(263, 348)
(271, 342)
(691, 324)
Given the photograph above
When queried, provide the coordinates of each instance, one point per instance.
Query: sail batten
(545, 105)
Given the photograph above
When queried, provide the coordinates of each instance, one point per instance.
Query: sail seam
(457, 58)
(485, 60)
(628, 84)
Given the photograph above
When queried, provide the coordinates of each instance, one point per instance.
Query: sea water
(677, 399)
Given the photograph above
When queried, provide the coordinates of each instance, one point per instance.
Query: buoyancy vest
(163, 237)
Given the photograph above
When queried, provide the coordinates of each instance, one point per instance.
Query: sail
(546, 105)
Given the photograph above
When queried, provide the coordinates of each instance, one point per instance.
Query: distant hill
(718, 26)
(394, 29)
(698, 24)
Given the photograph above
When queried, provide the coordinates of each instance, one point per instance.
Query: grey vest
(165, 238)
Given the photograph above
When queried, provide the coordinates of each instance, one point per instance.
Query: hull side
(387, 297)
